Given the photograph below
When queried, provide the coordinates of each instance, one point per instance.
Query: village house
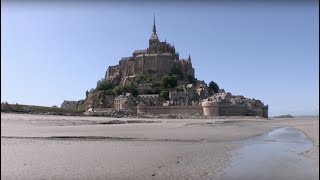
(123, 102)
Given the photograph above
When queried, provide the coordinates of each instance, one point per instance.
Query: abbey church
(159, 58)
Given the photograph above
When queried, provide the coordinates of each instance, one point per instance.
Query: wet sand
(274, 155)
(60, 147)
(310, 127)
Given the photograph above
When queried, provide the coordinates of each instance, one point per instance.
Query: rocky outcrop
(97, 99)
(284, 116)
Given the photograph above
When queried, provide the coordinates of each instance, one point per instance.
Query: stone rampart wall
(211, 110)
(233, 110)
(171, 109)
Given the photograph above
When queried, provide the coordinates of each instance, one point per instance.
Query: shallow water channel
(274, 155)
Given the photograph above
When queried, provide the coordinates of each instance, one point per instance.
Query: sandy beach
(66, 147)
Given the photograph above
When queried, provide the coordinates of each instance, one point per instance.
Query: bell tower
(154, 41)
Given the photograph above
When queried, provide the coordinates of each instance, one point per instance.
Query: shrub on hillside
(169, 81)
(128, 88)
(103, 85)
(213, 87)
(165, 95)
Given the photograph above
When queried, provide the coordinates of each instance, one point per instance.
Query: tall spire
(154, 38)
(154, 24)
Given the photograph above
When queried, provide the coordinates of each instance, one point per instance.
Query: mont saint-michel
(160, 111)
(155, 80)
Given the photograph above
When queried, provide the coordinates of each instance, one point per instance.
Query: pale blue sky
(268, 51)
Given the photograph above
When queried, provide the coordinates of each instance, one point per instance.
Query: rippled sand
(58, 147)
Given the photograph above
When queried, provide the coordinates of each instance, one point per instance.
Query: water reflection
(275, 155)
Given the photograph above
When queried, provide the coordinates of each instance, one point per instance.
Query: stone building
(71, 104)
(158, 58)
(202, 89)
(124, 102)
(149, 99)
(144, 88)
(192, 94)
(178, 98)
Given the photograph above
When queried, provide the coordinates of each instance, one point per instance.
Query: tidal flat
(70, 147)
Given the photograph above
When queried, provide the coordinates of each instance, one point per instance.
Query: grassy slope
(19, 108)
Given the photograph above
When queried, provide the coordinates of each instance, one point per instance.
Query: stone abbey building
(159, 58)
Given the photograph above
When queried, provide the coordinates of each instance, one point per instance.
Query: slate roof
(125, 58)
(148, 96)
(140, 51)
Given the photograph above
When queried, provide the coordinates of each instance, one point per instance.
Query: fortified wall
(170, 109)
(220, 104)
(207, 110)
(225, 104)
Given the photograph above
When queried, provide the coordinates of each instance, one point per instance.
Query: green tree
(103, 85)
(191, 79)
(108, 92)
(165, 95)
(117, 90)
(157, 89)
(179, 88)
(141, 79)
(169, 81)
(213, 87)
(128, 88)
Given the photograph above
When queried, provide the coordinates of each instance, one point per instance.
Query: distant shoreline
(44, 110)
